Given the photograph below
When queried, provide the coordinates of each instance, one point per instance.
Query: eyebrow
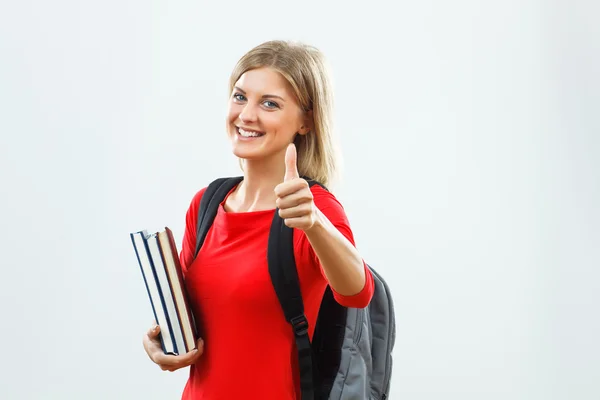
(266, 96)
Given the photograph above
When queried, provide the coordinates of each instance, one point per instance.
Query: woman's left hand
(294, 198)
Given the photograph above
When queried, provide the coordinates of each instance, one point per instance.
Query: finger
(200, 346)
(302, 210)
(151, 341)
(191, 356)
(165, 361)
(298, 222)
(290, 187)
(170, 361)
(294, 199)
(154, 331)
(291, 167)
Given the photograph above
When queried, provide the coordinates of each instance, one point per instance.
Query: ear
(307, 123)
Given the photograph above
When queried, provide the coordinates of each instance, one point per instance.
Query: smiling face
(263, 115)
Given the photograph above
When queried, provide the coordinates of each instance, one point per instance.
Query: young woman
(279, 124)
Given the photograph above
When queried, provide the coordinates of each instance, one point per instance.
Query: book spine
(184, 309)
(162, 299)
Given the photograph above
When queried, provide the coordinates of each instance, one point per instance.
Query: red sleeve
(333, 210)
(188, 246)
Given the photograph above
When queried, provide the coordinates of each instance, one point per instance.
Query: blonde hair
(305, 69)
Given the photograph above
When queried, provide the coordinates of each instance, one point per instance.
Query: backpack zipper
(388, 354)
(359, 325)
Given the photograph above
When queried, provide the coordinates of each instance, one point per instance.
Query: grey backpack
(350, 357)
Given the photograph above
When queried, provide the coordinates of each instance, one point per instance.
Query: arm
(342, 265)
(327, 230)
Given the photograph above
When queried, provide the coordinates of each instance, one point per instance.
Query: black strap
(284, 276)
(209, 205)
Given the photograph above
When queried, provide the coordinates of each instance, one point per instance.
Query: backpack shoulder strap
(209, 204)
(284, 277)
(312, 182)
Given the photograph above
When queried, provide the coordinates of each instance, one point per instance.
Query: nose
(248, 114)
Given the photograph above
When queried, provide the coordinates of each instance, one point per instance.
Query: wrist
(318, 223)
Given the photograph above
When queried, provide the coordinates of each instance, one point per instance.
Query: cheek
(282, 124)
(232, 114)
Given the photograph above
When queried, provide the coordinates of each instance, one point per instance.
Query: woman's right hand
(168, 362)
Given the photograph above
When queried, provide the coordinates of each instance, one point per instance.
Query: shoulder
(328, 203)
(194, 205)
(198, 196)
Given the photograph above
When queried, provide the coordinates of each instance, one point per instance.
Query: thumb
(200, 346)
(291, 167)
(154, 331)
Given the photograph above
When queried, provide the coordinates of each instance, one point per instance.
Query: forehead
(265, 81)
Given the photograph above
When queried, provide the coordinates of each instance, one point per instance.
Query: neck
(256, 192)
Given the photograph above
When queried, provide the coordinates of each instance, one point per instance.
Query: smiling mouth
(248, 133)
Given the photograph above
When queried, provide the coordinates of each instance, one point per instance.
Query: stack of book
(159, 261)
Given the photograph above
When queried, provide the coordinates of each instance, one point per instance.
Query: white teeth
(248, 134)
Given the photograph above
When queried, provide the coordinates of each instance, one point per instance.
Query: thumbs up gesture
(294, 198)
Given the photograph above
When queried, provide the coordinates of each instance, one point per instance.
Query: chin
(249, 150)
(247, 154)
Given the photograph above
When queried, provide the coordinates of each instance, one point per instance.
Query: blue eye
(239, 97)
(271, 104)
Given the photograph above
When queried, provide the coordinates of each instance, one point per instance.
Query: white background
(470, 133)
